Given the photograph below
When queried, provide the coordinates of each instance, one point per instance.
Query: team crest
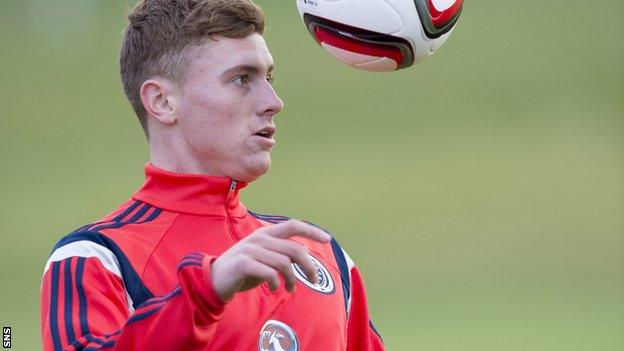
(277, 336)
(325, 284)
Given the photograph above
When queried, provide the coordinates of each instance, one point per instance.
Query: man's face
(226, 107)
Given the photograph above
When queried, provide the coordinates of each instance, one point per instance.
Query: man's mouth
(266, 132)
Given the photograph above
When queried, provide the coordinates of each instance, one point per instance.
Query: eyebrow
(247, 68)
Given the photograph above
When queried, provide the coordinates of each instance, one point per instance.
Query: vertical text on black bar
(6, 337)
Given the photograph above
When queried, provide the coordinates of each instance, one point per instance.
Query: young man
(183, 265)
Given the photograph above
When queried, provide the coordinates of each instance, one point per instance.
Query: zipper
(232, 187)
(229, 197)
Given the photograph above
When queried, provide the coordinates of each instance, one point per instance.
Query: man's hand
(263, 256)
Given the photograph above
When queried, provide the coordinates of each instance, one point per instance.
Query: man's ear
(158, 96)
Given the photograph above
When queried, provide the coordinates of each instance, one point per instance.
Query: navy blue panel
(138, 292)
(69, 325)
(82, 298)
(142, 294)
(345, 275)
(56, 338)
(372, 326)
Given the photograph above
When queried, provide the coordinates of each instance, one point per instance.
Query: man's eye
(270, 79)
(242, 80)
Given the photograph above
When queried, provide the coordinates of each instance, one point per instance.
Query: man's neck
(172, 159)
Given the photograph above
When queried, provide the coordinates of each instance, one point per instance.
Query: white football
(380, 35)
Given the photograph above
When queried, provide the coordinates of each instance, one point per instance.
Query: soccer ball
(380, 35)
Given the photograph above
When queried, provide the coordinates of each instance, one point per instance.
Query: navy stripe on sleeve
(69, 326)
(93, 339)
(82, 299)
(192, 259)
(103, 344)
(140, 316)
(185, 264)
(156, 300)
(80, 344)
(108, 345)
(195, 254)
(54, 330)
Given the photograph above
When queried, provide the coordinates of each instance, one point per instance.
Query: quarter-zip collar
(191, 193)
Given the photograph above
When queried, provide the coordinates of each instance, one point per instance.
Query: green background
(481, 192)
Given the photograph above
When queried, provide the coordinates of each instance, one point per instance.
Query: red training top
(139, 279)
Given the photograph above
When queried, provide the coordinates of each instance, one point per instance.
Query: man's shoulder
(131, 232)
(120, 243)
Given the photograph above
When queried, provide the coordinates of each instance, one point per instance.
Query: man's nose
(271, 102)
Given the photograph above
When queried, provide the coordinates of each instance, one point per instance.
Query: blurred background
(481, 192)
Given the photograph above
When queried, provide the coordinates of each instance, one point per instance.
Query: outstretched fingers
(265, 255)
(290, 228)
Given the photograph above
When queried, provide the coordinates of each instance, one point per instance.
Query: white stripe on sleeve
(87, 249)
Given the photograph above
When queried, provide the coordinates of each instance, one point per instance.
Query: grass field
(481, 192)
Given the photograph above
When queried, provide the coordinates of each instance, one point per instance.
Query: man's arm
(361, 333)
(84, 307)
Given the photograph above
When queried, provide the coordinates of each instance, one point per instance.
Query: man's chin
(254, 171)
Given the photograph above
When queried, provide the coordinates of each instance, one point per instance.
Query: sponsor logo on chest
(277, 336)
